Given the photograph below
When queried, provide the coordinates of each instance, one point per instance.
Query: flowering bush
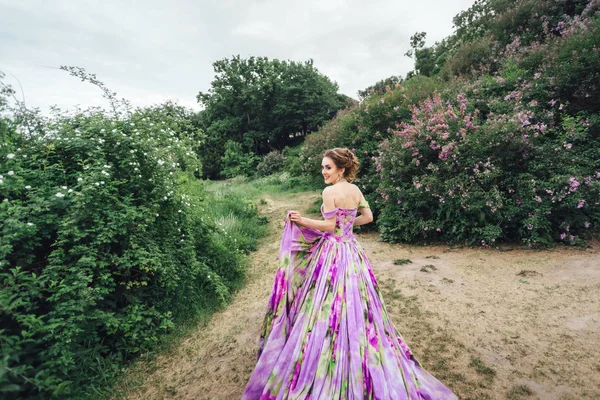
(513, 156)
(444, 176)
(102, 249)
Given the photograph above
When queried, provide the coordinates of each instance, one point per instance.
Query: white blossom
(10, 173)
(60, 194)
(28, 187)
(29, 224)
(10, 156)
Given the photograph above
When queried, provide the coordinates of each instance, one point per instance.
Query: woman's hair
(344, 158)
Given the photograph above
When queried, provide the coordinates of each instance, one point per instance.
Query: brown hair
(344, 158)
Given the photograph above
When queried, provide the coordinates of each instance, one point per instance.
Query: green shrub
(107, 242)
(469, 58)
(236, 162)
(273, 162)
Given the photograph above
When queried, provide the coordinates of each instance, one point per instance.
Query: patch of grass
(281, 182)
(402, 261)
(518, 392)
(315, 208)
(488, 372)
(447, 280)
(598, 367)
(428, 268)
(528, 272)
(433, 257)
(395, 294)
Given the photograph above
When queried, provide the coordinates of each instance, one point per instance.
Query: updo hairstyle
(344, 158)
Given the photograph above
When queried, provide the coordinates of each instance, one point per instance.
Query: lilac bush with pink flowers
(502, 143)
(449, 176)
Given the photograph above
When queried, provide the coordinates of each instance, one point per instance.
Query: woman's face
(330, 171)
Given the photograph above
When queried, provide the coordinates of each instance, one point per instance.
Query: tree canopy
(264, 105)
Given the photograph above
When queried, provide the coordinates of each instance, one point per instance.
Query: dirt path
(490, 324)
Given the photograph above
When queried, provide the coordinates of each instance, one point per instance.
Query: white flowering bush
(101, 248)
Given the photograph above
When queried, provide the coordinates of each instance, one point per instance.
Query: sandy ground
(490, 324)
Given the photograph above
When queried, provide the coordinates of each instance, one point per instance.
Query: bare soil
(508, 323)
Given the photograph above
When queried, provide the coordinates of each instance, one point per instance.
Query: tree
(380, 87)
(264, 105)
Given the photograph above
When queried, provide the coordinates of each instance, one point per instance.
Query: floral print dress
(326, 333)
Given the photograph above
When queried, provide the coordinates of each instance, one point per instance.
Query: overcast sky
(150, 51)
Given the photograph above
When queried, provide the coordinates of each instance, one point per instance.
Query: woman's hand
(296, 217)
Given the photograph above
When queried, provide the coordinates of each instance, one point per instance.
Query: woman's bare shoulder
(356, 188)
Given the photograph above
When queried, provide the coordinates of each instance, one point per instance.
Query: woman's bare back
(346, 195)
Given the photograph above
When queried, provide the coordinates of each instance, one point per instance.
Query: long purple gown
(327, 334)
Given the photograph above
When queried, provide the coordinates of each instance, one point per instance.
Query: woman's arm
(366, 215)
(327, 225)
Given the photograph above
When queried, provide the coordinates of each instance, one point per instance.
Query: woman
(327, 334)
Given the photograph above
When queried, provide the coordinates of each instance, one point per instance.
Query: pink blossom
(573, 184)
(581, 203)
(537, 75)
(563, 236)
(586, 224)
(568, 145)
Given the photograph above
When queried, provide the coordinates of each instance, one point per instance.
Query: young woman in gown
(327, 333)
